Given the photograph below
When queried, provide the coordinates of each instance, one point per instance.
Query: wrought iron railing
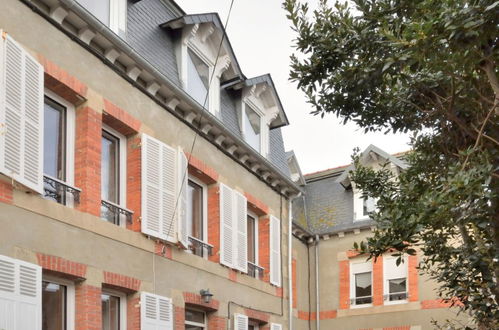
(361, 300)
(198, 247)
(254, 270)
(58, 190)
(396, 296)
(112, 212)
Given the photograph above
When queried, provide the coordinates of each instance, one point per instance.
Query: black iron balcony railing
(112, 212)
(255, 270)
(394, 296)
(198, 247)
(361, 300)
(58, 190)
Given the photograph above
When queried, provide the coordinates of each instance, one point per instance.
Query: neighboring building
(128, 186)
(333, 286)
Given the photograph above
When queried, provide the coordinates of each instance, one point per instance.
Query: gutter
(260, 167)
(317, 300)
(290, 260)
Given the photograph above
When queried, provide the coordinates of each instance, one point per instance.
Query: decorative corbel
(190, 34)
(222, 65)
(206, 32)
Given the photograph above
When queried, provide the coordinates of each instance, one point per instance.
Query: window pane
(363, 288)
(54, 136)
(251, 239)
(197, 78)
(110, 312)
(194, 316)
(110, 168)
(98, 8)
(397, 289)
(251, 122)
(369, 205)
(53, 306)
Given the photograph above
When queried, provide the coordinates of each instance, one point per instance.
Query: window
(58, 146)
(252, 128)
(195, 320)
(113, 310)
(111, 13)
(196, 216)
(252, 224)
(360, 283)
(113, 176)
(198, 78)
(253, 326)
(395, 277)
(368, 205)
(57, 304)
(362, 206)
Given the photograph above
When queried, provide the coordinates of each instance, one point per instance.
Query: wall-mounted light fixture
(206, 295)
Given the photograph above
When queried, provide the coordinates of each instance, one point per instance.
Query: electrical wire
(196, 133)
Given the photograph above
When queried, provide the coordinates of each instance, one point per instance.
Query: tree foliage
(428, 67)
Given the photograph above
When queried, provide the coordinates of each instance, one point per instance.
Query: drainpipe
(290, 260)
(317, 307)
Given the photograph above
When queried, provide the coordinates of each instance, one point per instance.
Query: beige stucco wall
(34, 225)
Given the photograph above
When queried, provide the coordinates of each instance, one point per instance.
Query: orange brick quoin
(63, 266)
(264, 246)
(119, 119)
(261, 317)
(196, 299)
(133, 181)
(62, 83)
(378, 281)
(122, 281)
(294, 288)
(439, 303)
(312, 316)
(88, 159)
(214, 222)
(88, 307)
(201, 170)
(216, 322)
(6, 192)
(344, 284)
(413, 278)
(179, 318)
(232, 275)
(256, 205)
(133, 313)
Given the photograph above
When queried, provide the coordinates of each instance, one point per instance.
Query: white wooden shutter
(159, 181)
(21, 115)
(182, 203)
(240, 322)
(156, 312)
(275, 251)
(240, 229)
(226, 226)
(275, 326)
(20, 294)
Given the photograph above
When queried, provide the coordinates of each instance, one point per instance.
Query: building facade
(333, 286)
(143, 178)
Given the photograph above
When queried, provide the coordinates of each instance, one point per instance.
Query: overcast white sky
(261, 37)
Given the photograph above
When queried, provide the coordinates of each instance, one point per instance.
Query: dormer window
(198, 78)
(252, 128)
(111, 13)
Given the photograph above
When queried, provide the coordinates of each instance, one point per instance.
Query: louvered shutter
(240, 322)
(182, 208)
(156, 312)
(159, 180)
(275, 251)
(226, 226)
(240, 228)
(21, 113)
(275, 326)
(20, 294)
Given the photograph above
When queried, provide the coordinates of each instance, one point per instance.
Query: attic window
(252, 128)
(198, 74)
(111, 13)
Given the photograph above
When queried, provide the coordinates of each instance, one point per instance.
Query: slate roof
(146, 36)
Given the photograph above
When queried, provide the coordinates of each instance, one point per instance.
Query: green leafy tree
(428, 67)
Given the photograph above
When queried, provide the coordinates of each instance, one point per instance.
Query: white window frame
(358, 206)
(70, 140)
(387, 278)
(70, 298)
(254, 216)
(361, 266)
(118, 17)
(123, 304)
(255, 325)
(122, 168)
(205, 210)
(211, 97)
(201, 325)
(264, 128)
